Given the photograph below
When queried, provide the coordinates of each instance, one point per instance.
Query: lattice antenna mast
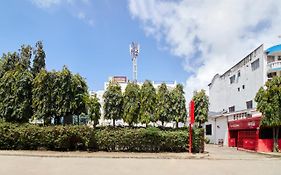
(134, 51)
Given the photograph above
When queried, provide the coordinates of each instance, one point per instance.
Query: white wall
(211, 137)
(223, 95)
(219, 130)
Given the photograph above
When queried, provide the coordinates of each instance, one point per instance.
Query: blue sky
(91, 37)
(184, 40)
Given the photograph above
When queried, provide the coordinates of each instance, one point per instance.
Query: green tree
(147, 103)
(201, 105)
(9, 62)
(94, 106)
(68, 95)
(79, 90)
(15, 95)
(131, 104)
(113, 102)
(39, 58)
(269, 104)
(42, 101)
(178, 106)
(163, 110)
(25, 56)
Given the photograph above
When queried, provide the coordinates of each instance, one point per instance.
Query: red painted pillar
(257, 139)
(191, 115)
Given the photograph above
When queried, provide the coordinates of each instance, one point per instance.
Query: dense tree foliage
(68, 95)
(15, 95)
(27, 91)
(113, 102)
(201, 105)
(269, 104)
(147, 103)
(39, 58)
(32, 92)
(131, 103)
(93, 107)
(163, 108)
(178, 106)
(16, 86)
(42, 91)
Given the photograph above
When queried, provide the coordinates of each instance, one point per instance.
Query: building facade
(233, 119)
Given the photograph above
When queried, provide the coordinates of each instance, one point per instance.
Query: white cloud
(210, 36)
(78, 8)
(46, 3)
(52, 3)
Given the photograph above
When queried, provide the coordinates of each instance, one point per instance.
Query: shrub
(63, 138)
(30, 137)
(147, 140)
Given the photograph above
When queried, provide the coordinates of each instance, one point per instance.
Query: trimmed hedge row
(69, 138)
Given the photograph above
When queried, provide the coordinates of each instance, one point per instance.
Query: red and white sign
(249, 123)
(119, 79)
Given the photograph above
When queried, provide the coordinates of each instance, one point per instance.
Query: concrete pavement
(14, 165)
(219, 161)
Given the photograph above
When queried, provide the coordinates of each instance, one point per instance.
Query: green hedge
(32, 137)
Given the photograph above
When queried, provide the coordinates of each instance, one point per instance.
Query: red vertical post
(191, 115)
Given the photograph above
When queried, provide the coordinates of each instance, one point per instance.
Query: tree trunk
(114, 122)
(177, 124)
(277, 135)
(162, 123)
(275, 139)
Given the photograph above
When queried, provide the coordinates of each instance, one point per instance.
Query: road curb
(270, 154)
(115, 155)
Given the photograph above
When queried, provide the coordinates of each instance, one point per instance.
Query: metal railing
(274, 65)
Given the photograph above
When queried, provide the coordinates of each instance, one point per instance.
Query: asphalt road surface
(14, 165)
(222, 161)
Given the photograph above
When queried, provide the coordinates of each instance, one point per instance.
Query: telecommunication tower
(134, 51)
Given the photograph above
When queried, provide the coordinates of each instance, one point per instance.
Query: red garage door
(247, 139)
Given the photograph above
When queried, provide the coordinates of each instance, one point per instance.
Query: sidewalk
(272, 154)
(81, 154)
(213, 152)
(231, 153)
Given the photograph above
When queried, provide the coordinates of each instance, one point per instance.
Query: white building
(123, 82)
(231, 95)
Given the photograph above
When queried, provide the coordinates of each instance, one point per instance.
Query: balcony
(274, 66)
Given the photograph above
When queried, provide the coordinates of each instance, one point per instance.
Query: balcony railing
(274, 66)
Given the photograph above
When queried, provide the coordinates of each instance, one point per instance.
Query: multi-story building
(233, 119)
(123, 82)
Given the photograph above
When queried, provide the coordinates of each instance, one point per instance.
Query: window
(239, 74)
(255, 65)
(279, 58)
(249, 104)
(270, 59)
(272, 74)
(243, 86)
(232, 79)
(209, 129)
(239, 89)
(231, 109)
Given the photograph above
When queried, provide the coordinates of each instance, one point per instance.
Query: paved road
(221, 161)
